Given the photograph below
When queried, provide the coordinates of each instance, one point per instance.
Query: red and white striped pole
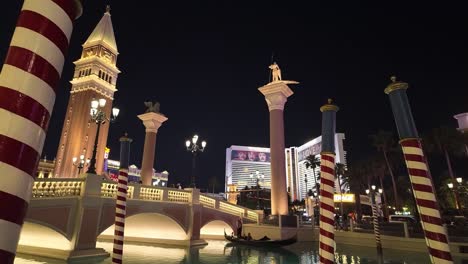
(421, 181)
(121, 200)
(28, 86)
(327, 185)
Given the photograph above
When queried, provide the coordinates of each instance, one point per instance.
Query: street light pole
(456, 187)
(193, 147)
(98, 116)
(81, 164)
(378, 243)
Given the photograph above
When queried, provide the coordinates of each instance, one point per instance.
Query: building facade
(243, 162)
(95, 77)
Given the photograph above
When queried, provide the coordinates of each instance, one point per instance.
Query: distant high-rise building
(244, 161)
(95, 77)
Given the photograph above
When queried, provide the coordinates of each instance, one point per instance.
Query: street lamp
(193, 147)
(98, 116)
(457, 189)
(81, 164)
(372, 192)
(258, 176)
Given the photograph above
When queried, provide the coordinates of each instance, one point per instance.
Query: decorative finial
(108, 9)
(126, 134)
(395, 85)
(393, 78)
(329, 100)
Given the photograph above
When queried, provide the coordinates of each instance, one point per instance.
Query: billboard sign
(312, 150)
(246, 155)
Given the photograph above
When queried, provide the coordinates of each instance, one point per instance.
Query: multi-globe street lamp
(81, 163)
(194, 148)
(98, 116)
(257, 179)
(372, 192)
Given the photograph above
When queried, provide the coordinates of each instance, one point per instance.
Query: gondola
(264, 242)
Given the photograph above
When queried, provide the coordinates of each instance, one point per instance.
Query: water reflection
(221, 252)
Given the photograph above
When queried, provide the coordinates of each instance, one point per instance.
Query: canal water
(218, 252)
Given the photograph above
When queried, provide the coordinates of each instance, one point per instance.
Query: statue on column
(152, 107)
(275, 72)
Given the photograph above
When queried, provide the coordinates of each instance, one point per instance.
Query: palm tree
(379, 169)
(340, 171)
(448, 140)
(357, 179)
(313, 162)
(383, 141)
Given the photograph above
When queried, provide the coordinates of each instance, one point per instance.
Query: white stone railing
(231, 209)
(57, 187)
(63, 187)
(151, 193)
(109, 189)
(178, 196)
(252, 215)
(207, 201)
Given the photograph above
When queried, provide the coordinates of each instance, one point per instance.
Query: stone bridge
(67, 216)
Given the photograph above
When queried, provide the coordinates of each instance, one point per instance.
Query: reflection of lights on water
(143, 252)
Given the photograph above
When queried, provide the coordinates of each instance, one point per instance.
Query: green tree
(312, 162)
(384, 141)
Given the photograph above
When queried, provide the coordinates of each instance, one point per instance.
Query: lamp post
(258, 176)
(81, 164)
(193, 147)
(372, 192)
(98, 115)
(458, 189)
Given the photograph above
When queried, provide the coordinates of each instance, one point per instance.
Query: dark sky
(204, 60)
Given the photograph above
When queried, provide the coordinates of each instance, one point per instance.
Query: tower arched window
(110, 79)
(100, 73)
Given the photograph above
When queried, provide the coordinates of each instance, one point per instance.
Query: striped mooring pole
(375, 220)
(327, 184)
(28, 87)
(418, 171)
(121, 200)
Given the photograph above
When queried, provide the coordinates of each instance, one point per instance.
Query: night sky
(204, 60)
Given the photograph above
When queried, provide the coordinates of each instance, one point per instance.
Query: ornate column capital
(276, 94)
(152, 121)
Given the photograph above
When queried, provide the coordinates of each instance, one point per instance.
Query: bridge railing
(57, 187)
(109, 189)
(229, 208)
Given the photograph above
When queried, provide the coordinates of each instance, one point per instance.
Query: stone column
(152, 122)
(28, 86)
(276, 94)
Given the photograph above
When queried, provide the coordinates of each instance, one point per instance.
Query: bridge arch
(39, 234)
(214, 221)
(150, 226)
(216, 228)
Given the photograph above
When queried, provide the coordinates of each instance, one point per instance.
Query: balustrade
(207, 201)
(109, 189)
(148, 193)
(59, 187)
(178, 196)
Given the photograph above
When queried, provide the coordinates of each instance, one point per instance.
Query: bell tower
(95, 77)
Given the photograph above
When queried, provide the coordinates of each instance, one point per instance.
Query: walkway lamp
(194, 148)
(98, 116)
(81, 163)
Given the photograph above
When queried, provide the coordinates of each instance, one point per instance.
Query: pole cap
(329, 106)
(395, 85)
